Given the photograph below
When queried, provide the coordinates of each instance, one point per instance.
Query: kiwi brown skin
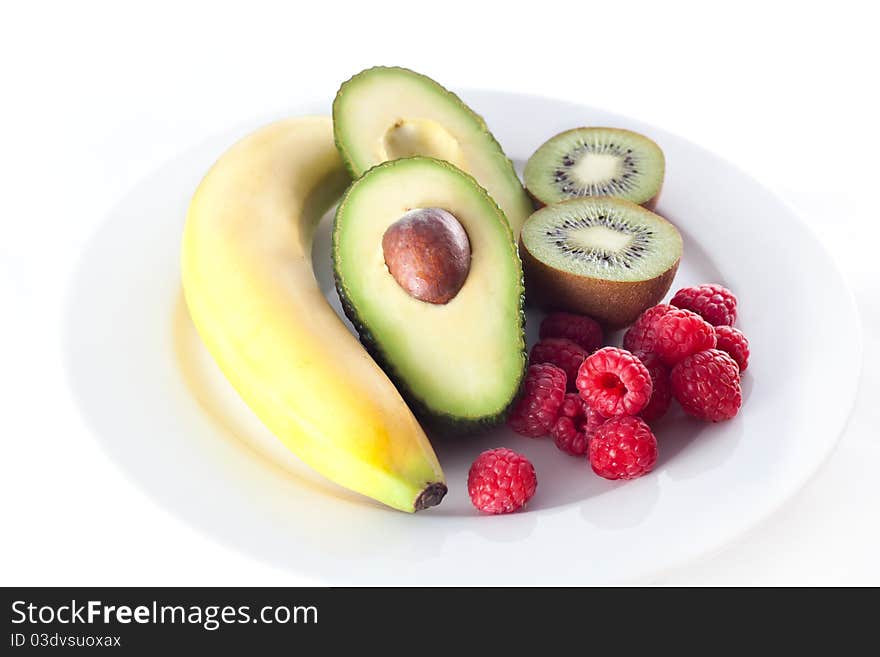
(651, 203)
(536, 202)
(615, 304)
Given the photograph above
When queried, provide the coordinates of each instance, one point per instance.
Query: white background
(786, 91)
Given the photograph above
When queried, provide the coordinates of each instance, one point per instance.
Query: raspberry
(578, 328)
(565, 354)
(536, 410)
(714, 303)
(623, 448)
(501, 481)
(614, 382)
(680, 333)
(576, 424)
(706, 384)
(642, 334)
(734, 342)
(661, 395)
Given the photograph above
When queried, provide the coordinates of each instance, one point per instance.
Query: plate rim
(738, 530)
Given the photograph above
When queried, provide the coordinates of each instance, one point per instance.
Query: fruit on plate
(566, 354)
(537, 407)
(385, 113)
(707, 385)
(581, 329)
(661, 387)
(501, 481)
(614, 382)
(714, 303)
(575, 426)
(252, 294)
(624, 447)
(599, 256)
(681, 333)
(428, 273)
(596, 162)
(734, 342)
(641, 337)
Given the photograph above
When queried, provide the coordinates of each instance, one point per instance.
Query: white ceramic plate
(165, 415)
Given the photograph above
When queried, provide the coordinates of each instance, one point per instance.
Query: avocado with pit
(428, 272)
(385, 113)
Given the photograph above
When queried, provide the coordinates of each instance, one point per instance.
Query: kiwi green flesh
(603, 238)
(588, 162)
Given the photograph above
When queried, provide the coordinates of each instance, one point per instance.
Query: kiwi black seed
(587, 162)
(599, 256)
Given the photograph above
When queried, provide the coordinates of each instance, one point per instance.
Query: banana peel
(253, 297)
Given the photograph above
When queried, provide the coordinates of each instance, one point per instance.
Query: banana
(250, 289)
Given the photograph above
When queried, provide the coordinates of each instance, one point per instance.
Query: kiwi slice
(599, 256)
(596, 162)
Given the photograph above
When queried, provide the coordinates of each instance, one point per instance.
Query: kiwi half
(596, 162)
(603, 257)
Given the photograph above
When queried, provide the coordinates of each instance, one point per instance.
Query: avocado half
(458, 364)
(385, 113)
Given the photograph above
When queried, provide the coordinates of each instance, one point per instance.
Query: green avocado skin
(431, 418)
(441, 422)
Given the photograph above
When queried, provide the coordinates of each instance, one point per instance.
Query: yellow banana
(252, 294)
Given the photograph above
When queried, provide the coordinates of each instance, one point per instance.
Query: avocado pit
(428, 253)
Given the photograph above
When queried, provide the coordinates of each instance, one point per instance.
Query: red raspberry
(578, 328)
(535, 412)
(576, 424)
(501, 481)
(623, 448)
(680, 333)
(706, 384)
(642, 334)
(565, 354)
(614, 382)
(661, 396)
(714, 303)
(734, 342)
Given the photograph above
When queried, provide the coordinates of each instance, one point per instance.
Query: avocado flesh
(459, 364)
(385, 113)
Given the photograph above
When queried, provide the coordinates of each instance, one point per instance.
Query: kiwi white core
(604, 238)
(596, 168)
(600, 237)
